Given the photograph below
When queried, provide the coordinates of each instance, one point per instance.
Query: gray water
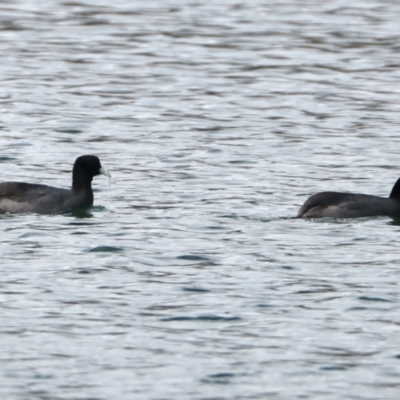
(189, 278)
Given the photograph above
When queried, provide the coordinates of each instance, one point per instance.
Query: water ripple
(217, 120)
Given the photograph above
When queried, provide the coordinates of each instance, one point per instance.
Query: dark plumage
(351, 205)
(21, 197)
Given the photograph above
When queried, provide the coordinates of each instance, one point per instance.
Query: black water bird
(21, 197)
(351, 205)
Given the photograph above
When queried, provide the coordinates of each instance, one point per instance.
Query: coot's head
(85, 168)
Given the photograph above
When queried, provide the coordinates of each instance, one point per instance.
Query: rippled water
(189, 278)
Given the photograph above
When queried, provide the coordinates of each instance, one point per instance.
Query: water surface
(190, 278)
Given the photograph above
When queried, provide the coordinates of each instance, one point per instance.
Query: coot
(351, 205)
(21, 197)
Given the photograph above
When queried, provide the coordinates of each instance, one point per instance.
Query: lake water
(190, 278)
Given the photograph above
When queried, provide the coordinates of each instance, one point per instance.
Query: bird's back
(348, 205)
(17, 197)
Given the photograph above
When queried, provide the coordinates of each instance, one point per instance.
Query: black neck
(80, 182)
(395, 193)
